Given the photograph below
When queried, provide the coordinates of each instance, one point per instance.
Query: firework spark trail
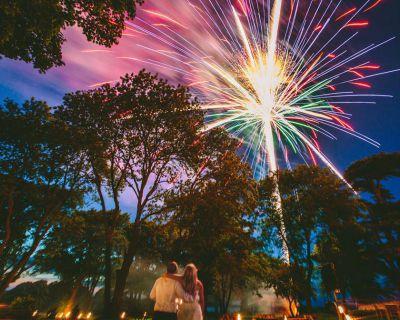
(276, 84)
(268, 130)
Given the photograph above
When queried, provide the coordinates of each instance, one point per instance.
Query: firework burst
(275, 83)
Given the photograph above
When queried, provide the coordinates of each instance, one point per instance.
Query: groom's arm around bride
(165, 292)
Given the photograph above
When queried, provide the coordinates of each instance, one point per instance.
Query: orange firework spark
(362, 84)
(348, 12)
(373, 5)
(357, 24)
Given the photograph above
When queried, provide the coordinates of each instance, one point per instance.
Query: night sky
(19, 81)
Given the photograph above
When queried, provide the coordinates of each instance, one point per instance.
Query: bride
(192, 307)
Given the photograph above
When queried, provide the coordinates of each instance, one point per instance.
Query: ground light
(67, 315)
(342, 313)
(341, 309)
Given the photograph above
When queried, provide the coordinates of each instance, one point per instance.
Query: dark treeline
(65, 170)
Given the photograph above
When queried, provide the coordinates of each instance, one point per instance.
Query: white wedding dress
(190, 309)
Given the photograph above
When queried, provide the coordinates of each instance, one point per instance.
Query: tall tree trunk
(122, 274)
(109, 304)
(74, 292)
(107, 247)
(229, 294)
(107, 271)
(291, 301)
(108, 264)
(93, 285)
(222, 297)
(10, 211)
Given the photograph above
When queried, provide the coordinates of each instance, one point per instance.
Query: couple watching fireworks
(178, 296)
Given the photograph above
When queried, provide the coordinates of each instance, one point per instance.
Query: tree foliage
(31, 30)
(73, 249)
(43, 176)
(321, 216)
(369, 176)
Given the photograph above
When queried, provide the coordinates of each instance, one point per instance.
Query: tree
(368, 175)
(382, 222)
(140, 134)
(32, 30)
(42, 177)
(160, 125)
(93, 114)
(73, 250)
(211, 223)
(342, 248)
(317, 208)
(287, 281)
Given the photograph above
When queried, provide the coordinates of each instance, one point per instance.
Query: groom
(165, 292)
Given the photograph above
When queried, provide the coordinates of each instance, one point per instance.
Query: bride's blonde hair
(190, 279)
